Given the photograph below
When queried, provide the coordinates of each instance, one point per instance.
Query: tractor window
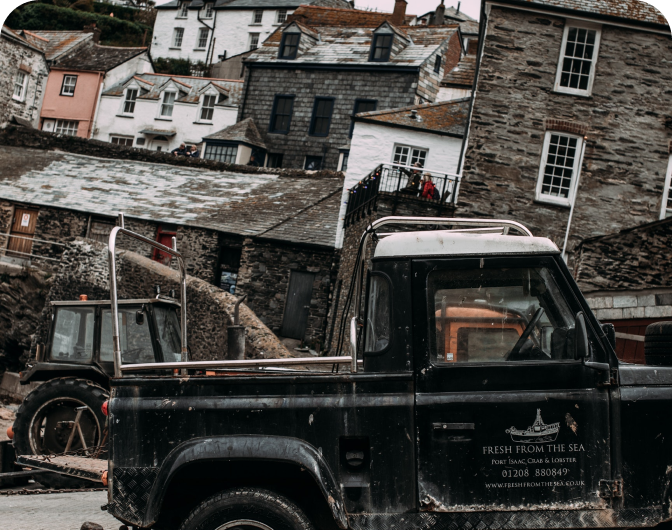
(73, 335)
(135, 339)
(495, 315)
(169, 333)
(378, 318)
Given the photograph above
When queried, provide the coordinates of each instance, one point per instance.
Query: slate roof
(19, 38)
(636, 10)
(242, 132)
(254, 205)
(632, 259)
(59, 43)
(97, 58)
(340, 45)
(313, 15)
(447, 117)
(256, 4)
(463, 74)
(190, 88)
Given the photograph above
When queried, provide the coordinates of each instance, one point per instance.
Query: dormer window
(129, 100)
(381, 47)
(207, 8)
(167, 104)
(289, 46)
(183, 11)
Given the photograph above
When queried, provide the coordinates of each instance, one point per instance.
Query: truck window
(73, 335)
(480, 315)
(169, 333)
(378, 322)
(135, 340)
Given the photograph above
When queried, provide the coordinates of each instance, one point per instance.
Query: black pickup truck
(481, 393)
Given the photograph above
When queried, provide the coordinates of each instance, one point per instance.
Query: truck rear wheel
(658, 345)
(46, 419)
(247, 509)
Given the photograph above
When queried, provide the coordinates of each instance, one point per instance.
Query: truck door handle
(453, 426)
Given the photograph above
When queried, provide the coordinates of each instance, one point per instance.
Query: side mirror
(39, 353)
(581, 345)
(139, 317)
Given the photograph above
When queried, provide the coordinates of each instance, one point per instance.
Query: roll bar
(113, 289)
(503, 224)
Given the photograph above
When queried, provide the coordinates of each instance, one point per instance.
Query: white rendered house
(214, 30)
(159, 112)
(430, 134)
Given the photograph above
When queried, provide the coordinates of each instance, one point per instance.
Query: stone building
(569, 89)
(269, 234)
(23, 74)
(214, 30)
(326, 65)
(627, 280)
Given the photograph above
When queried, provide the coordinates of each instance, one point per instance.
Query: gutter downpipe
(574, 193)
(212, 34)
(485, 11)
(101, 78)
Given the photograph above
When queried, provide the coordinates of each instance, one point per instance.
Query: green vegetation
(44, 15)
(163, 65)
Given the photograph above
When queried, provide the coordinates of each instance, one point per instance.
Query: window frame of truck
(464, 410)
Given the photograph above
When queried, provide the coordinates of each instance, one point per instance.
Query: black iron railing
(404, 181)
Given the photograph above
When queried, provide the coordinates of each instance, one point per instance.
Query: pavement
(55, 511)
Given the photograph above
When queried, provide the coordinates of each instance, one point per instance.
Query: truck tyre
(44, 422)
(658, 344)
(247, 509)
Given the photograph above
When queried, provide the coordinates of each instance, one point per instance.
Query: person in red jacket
(428, 188)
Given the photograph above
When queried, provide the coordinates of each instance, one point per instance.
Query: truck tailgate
(75, 466)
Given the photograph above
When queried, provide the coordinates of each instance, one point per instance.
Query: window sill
(67, 95)
(278, 132)
(199, 49)
(181, 18)
(174, 48)
(163, 119)
(129, 116)
(543, 202)
(17, 100)
(256, 25)
(203, 123)
(560, 92)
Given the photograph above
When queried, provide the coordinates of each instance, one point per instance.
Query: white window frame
(121, 137)
(666, 206)
(284, 17)
(254, 17)
(23, 84)
(67, 85)
(569, 24)
(208, 9)
(183, 11)
(162, 104)
(410, 153)
(124, 101)
(175, 31)
(576, 170)
(249, 43)
(203, 34)
(66, 127)
(202, 107)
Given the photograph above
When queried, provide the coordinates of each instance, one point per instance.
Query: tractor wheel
(45, 421)
(658, 345)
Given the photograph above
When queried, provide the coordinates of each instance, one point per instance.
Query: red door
(165, 238)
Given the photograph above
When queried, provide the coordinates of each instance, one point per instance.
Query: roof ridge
(194, 77)
(414, 107)
(34, 35)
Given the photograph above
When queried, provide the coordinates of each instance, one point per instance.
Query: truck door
(505, 422)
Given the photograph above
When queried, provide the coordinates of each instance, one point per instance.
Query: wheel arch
(243, 452)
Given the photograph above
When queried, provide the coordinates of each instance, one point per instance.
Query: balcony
(402, 183)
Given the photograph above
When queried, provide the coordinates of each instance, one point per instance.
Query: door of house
(166, 239)
(23, 227)
(297, 306)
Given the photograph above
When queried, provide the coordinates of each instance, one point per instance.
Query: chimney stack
(91, 28)
(439, 15)
(399, 14)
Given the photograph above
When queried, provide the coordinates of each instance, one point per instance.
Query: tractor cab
(80, 337)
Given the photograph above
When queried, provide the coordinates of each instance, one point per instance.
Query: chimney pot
(399, 14)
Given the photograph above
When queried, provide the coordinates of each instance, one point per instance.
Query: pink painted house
(77, 80)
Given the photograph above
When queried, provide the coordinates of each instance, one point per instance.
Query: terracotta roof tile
(445, 117)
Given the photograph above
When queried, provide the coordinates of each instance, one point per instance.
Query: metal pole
(116, 348)
(574, 192)
(183, 304)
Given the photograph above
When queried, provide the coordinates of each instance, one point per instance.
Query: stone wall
(84, 270)
(16, 136)
(12, 57)
(264, 275)
(385, 205)
(391, 90)
(627, 147)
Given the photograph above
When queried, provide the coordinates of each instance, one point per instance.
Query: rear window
(73, 335)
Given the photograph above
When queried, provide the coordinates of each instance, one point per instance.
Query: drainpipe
(212, 33)
(96, 107)
(574, 193)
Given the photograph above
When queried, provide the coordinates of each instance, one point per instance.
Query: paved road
(55, 511)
